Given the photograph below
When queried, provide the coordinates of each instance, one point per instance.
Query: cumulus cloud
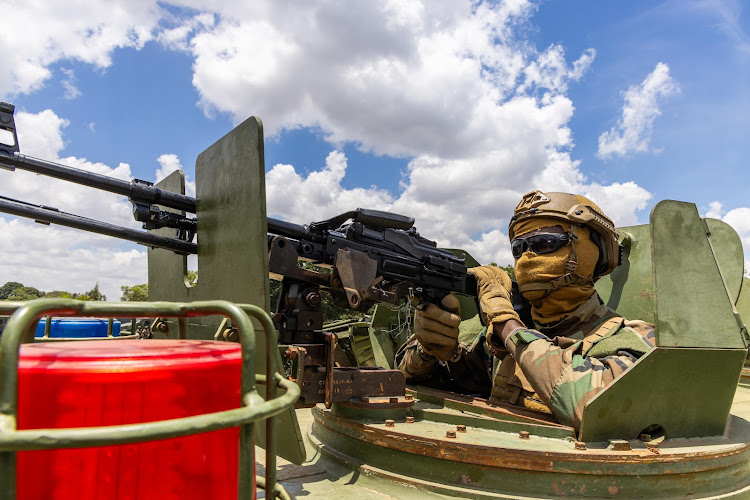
(38, 34)
(641, 109)
(168, 164)
(54, 257)
(739, 219)
(69, 84)
(480, 115)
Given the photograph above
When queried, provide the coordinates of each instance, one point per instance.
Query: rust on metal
(379, 403)
(390, 423)
(523, 434)
(461, 428)
(515, 458)
(620, 445)
(580, 445)
(450, 434)
(330, 340)
(409, 420)
(349, 382)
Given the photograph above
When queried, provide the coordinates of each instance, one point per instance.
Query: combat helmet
(578, 211)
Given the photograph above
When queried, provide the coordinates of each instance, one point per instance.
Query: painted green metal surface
(688, 391)
(491, 460)
(20, 329)
(693, 307)
(743, 302)
(629, 289)
(727, 248)
(232, 248)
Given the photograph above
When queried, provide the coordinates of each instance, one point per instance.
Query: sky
(447, 111)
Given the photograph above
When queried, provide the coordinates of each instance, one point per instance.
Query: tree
(135, 293)
(25, 293)
(93, 294)
(8, 289)
(508, 269)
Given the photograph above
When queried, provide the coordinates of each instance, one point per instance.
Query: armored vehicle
(674, 425)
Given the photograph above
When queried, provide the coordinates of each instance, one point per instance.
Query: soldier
(562, 243)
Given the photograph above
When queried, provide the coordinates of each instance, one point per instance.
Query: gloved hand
(436, 329)
(495, 305)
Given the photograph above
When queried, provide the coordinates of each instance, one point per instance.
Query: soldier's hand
(493, 291)
(495, 305)
(436, 329)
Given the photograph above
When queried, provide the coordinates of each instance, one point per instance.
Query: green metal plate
(693, 308)
(232, 249)
(727, 248)
(743, 302)
(687, 391)
(629, 289)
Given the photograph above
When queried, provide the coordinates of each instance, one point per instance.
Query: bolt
(393, 400)
(645, 437)
(312, 299)
(409, 420)
(620, 445)
(409, 397)
(579, 212)
(390, 423)
(450, 434)
(291, 354)
(580, 445)
(523, 434)
(461, 428)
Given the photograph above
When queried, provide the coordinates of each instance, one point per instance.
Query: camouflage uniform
(557, 368)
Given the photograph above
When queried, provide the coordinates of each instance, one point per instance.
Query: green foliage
(8, 289)
(192, 277)
(25, 293)
(508, 269)
(135, 293)
(93, 294)
(13, 290)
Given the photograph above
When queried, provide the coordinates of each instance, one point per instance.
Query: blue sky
(447, 111)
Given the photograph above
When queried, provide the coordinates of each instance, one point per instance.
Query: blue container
(77, 328)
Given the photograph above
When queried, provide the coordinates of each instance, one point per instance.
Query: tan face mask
(549, 307)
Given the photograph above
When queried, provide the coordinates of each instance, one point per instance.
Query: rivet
(580, 445)
(409, 420)
(450, 434)
(390, 423)
(461, 428)
(620, 445)
(523, 434)
(409, 397)
(393, 400)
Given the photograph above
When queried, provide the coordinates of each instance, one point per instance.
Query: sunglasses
(539, 243)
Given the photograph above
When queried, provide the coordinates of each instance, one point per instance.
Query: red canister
(100, 383)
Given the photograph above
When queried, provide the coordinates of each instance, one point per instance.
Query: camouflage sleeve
(564, 378)
(415, 364)
(471, 373)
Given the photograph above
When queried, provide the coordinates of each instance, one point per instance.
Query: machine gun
(361, 257)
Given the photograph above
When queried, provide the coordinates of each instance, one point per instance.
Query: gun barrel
(53, 216)
(138, 191)
(291, 230)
